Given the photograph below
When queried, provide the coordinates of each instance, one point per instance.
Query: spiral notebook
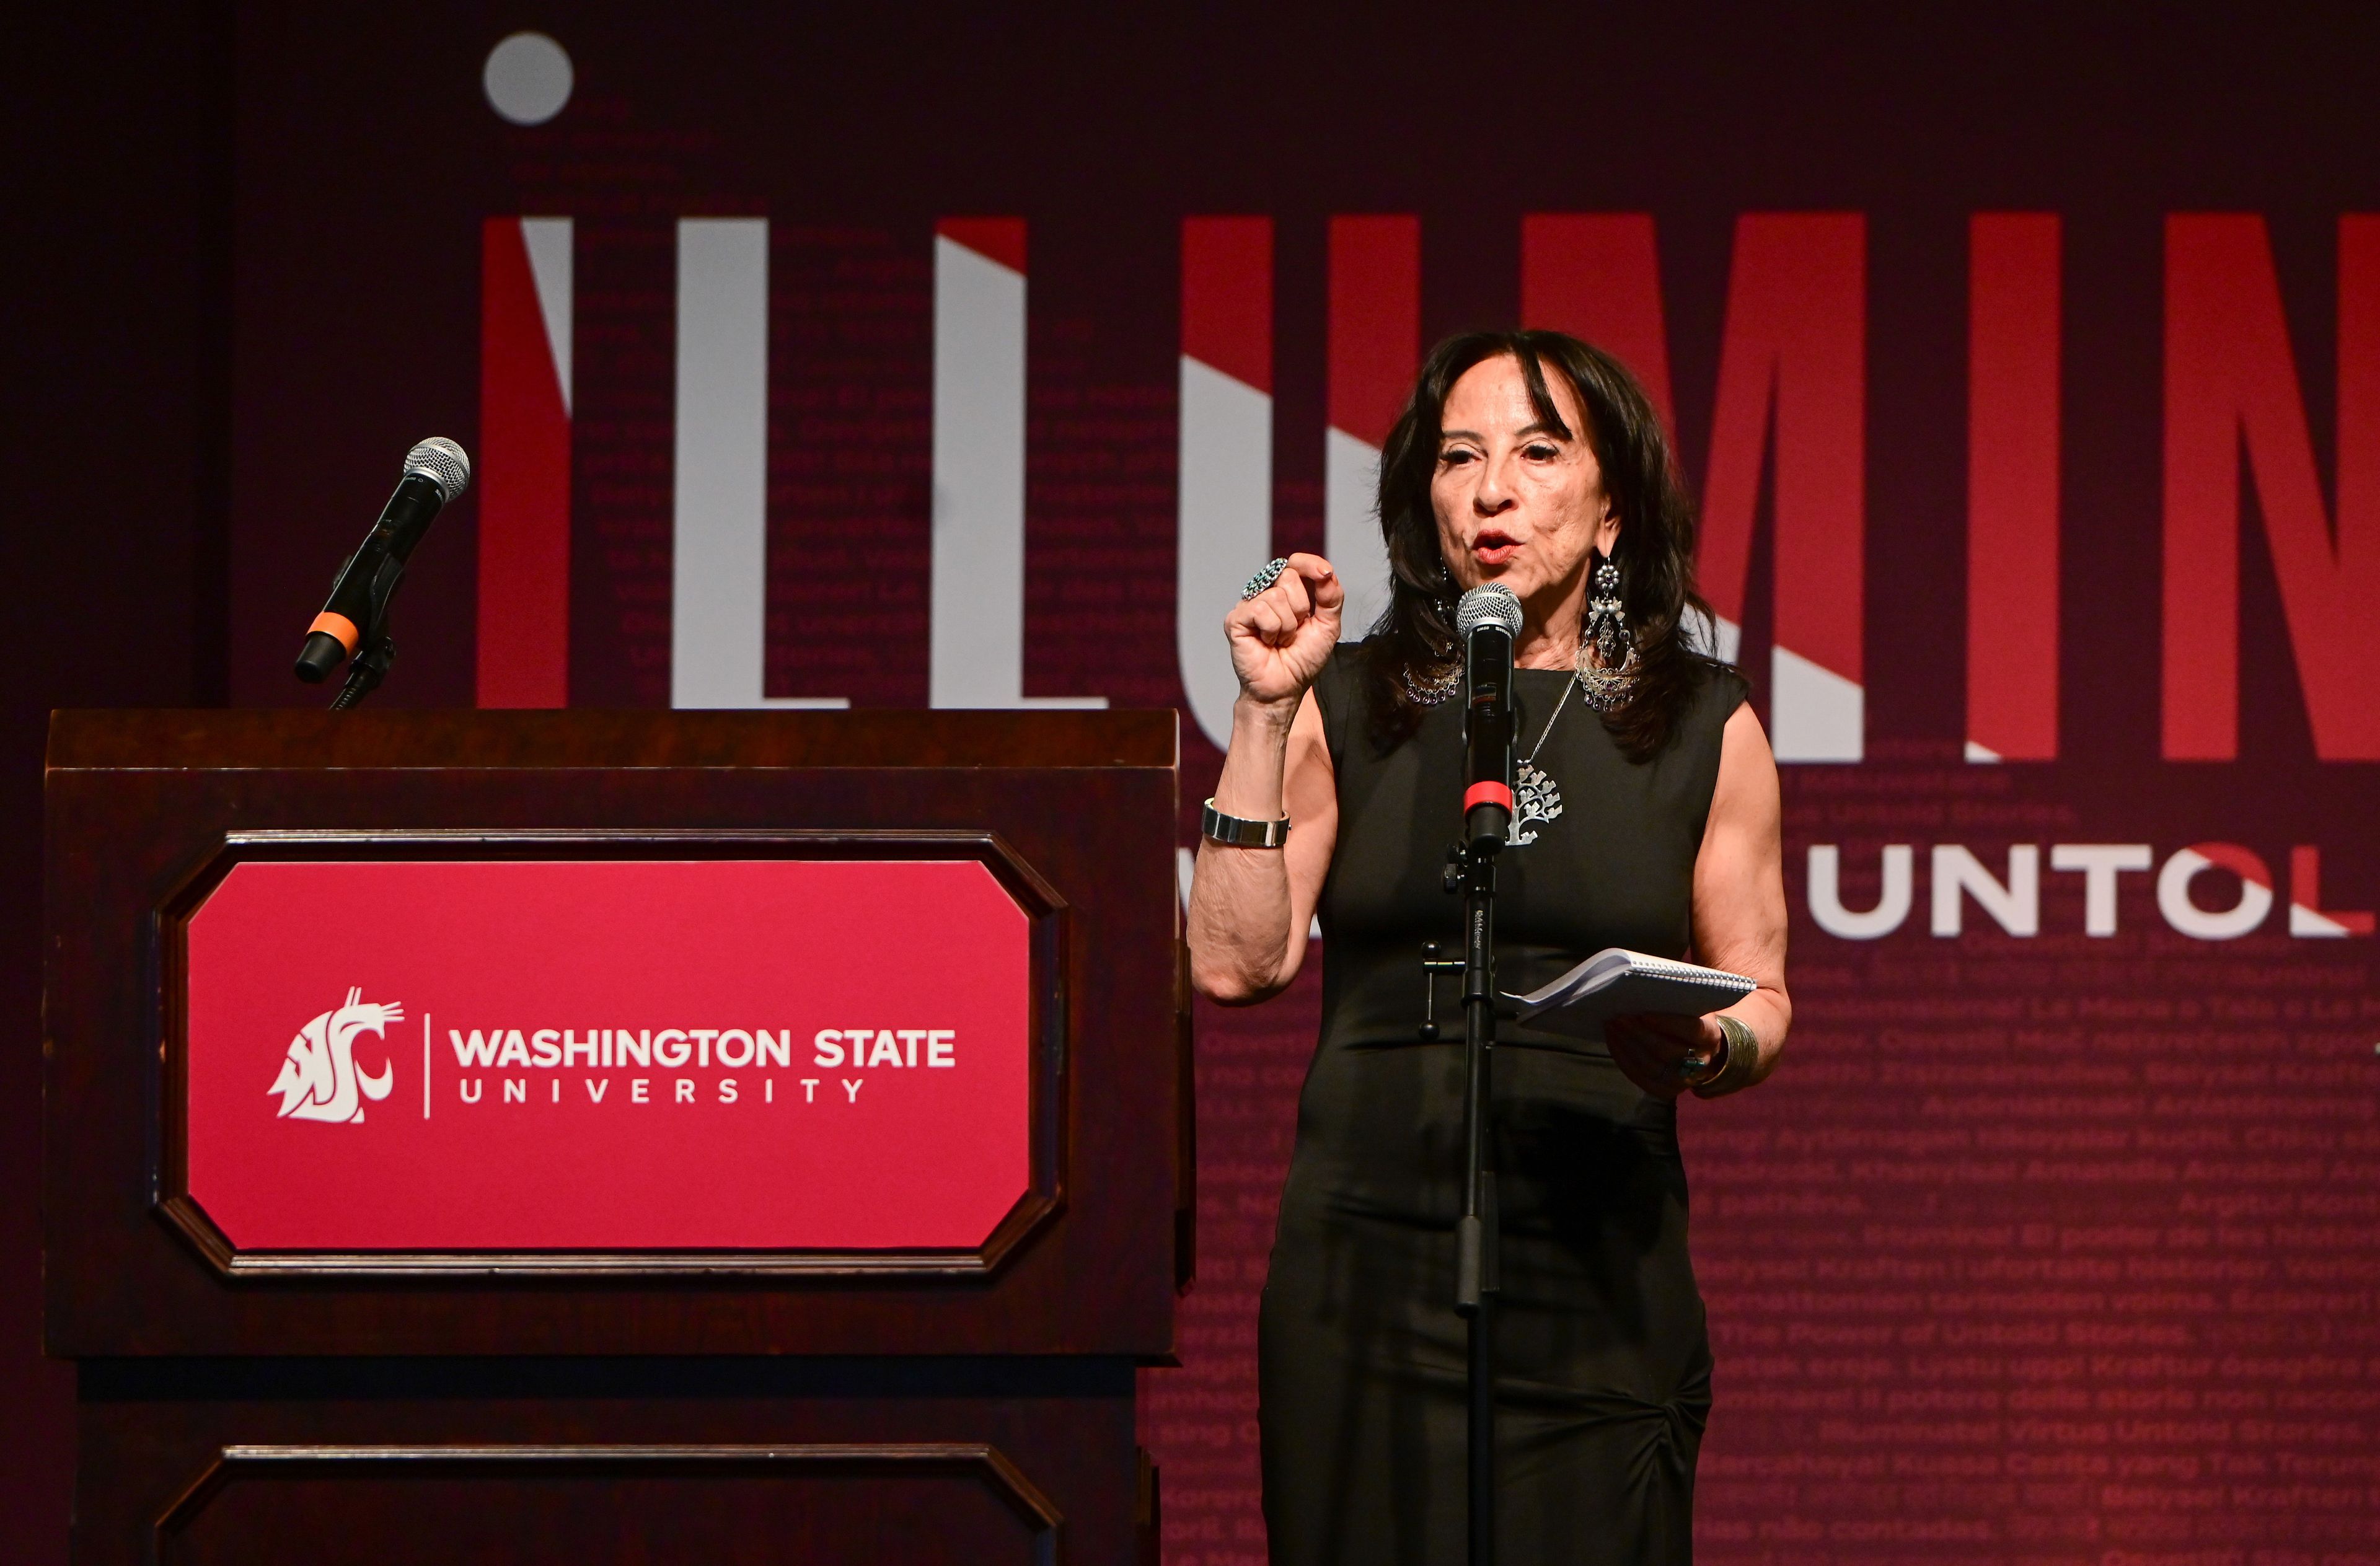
(1616, 982)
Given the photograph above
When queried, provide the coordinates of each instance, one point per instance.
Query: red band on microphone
(1487, 794)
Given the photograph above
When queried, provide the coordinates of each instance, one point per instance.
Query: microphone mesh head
(442, 462)
(1489, 603)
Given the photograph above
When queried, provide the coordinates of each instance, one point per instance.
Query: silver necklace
(1537, 799)
(1535, 796)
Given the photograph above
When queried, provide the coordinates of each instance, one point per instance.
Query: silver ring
(1264, 578)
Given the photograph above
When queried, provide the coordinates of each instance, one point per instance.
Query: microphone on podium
(1489, 619)
(436, 472)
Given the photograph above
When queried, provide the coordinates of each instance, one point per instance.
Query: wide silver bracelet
(1739, 1055)
(1237, 832)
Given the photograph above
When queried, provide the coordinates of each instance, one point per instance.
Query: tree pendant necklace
(1537, 799)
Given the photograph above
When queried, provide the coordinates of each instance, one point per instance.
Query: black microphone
(436, 471)
(1488, 619)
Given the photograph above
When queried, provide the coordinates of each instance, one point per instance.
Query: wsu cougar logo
(319, 1080)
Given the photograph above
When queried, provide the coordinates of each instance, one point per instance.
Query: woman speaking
(1648, 818)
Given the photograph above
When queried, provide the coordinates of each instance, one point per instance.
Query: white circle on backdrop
(528, 78)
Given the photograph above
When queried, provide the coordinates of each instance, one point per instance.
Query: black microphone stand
(1471, 871)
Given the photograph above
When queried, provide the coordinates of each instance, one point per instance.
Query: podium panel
(914, 1132)
(922, 1502)
(397, 1461)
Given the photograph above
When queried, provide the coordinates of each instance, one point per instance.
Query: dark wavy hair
(1413, 646)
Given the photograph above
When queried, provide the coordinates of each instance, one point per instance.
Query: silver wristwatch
(1237, 832)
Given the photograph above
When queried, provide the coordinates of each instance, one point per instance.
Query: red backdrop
(2032, 378)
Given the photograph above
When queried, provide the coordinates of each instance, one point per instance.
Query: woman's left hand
(1651, 1048)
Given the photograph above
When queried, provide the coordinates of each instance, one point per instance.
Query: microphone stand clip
(367, 669)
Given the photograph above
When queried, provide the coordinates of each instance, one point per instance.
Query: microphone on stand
(1489, 619)
(436, 471)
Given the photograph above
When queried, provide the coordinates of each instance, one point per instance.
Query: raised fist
(1281, 637)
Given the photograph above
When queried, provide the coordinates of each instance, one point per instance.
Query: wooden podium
(282, 1356)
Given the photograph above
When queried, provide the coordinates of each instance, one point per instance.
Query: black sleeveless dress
(1603, 1363)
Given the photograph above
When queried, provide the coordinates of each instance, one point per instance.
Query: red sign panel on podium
(585, 1055)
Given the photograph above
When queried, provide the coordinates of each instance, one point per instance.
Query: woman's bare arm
(1739, 920)
(1250, 907)
(1740, 884)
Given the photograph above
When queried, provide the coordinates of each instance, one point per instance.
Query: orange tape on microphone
(337, 625)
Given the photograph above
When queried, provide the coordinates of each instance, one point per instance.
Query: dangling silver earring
(1607, 622)
(1607, 649)
(1428, 689)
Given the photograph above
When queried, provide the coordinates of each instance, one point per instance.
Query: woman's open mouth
(1493, 546)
